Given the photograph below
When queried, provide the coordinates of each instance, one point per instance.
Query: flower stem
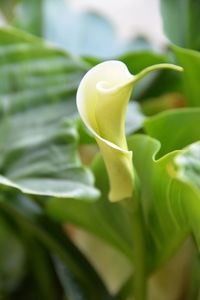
(157, 68)
(139, 286)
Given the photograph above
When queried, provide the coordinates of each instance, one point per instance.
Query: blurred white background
(130, 17)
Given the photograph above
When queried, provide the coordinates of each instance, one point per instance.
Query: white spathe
(102, 99)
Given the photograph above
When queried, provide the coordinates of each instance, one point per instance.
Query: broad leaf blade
(38, 136)
(181, 22)
(170, 204)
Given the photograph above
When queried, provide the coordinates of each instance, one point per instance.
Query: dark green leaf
(53, 238)
(181, 22)
(174, 129)
(12, 263)
(190, 61)
(194, 290)
(71, 287)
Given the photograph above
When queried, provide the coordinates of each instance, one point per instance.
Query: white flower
(102, 99)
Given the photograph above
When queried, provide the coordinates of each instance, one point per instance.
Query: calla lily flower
(102, 99)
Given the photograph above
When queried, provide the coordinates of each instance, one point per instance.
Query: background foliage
(45, 183)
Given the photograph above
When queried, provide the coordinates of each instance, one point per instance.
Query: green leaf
(181, 20)
(96, 218)
(106, 220)
(174, 129)
(193, 290)
(158, 207)
(170, 200)
(190, 61)
(187, 165)
(29, 16)
(38, 136)
(55, 240)
(12, 267)
(170, 203)
(71, 287)
(40, 268)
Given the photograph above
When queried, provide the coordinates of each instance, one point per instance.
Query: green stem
(146, 71)
(156, 68)
(139, 287)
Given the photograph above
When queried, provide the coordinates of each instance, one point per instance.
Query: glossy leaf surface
(37, 127)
